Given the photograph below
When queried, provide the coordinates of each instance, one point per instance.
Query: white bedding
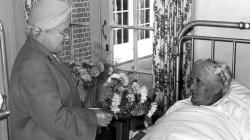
(228, 119)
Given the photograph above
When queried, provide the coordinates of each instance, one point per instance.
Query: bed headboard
(187, 43)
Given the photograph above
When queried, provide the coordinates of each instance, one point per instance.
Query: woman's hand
(103, 118)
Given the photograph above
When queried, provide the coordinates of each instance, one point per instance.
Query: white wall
(224, 10)
(12, 16)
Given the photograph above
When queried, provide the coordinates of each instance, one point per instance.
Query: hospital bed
(228, 118)
(188, 42)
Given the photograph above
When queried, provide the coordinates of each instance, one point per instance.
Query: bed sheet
(227, 119)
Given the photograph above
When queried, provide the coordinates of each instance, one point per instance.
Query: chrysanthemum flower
(86, 77)
(94, 72)
(152, 110)
(136, 87)
(144, 94)
(131, 97)
(116, 100)
(124, 79)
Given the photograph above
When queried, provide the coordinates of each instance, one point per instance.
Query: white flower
(84, 74)
(116, 100)
(111, 70)
(86, 77)
(136, 87)
(94, 72)
(82, 70)
(144, 94)
(152, 110)
(115, 75)
(124, 79)
(131, 97)
(100, 66)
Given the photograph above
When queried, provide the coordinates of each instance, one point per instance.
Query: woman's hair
(221, 72)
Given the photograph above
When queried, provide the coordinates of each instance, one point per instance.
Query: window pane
(147, 16)
(141, 34)
(119, 18)
(115, 37)
(147, 32)
(142, 19)
(141, 4)
(113, 5)
(125, 35)
(125, 18)
(115, 18)
(147, 3)
(118, 5)
(125, 4)
(119, 36)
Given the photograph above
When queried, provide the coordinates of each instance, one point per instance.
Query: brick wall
(80, 35)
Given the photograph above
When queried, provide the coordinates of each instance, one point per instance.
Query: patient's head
(210, 81)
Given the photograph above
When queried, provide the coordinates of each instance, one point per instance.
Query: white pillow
(236, 106)
(240, 92)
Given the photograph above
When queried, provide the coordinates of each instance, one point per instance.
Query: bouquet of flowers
(124, 98)
(89, 72)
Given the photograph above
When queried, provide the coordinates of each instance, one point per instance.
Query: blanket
(227, 119)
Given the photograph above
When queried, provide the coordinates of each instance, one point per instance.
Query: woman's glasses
(64, 32)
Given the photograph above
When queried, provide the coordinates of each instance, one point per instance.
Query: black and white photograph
(124, 70)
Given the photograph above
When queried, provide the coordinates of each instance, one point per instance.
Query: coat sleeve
(46, 109)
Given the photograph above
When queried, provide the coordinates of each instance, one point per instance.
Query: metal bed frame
(3, 113)
(183, 37)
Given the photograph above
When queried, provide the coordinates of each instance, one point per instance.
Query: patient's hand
(103, 118)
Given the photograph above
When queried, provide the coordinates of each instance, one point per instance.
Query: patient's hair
(221, 72)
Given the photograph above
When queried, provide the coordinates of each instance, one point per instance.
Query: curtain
(170, 17)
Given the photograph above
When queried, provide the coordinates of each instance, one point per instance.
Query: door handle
(104, 23)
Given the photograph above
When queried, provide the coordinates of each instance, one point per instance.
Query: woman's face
(56, 37)
(203, 89)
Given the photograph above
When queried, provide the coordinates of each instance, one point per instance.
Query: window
(144, 18)
(120, 17)
(131, 37)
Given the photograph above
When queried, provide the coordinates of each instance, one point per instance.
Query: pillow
(240, 92)
(236, 106)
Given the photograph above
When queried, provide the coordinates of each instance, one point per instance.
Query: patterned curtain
(170, 16)
(27, 7)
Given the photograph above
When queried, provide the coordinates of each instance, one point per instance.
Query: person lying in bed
(217, 110)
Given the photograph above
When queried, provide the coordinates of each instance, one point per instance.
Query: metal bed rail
(4, 113)
(182, 37)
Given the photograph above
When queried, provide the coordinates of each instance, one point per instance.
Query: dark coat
(43, 100)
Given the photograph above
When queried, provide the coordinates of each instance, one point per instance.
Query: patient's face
(203, 89)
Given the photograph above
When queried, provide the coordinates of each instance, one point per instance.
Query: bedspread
(228, 119)
(193, 123)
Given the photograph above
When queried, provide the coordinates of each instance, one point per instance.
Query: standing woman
(43, 100)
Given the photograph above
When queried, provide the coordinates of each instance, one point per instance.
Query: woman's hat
(49, 14)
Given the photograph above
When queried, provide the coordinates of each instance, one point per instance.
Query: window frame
(136, 27)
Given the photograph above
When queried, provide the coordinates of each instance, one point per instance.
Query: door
(127, 36)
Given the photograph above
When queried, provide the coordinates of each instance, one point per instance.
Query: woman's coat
(44, 102)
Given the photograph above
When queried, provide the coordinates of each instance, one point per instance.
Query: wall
(12, 16)
(224, 10)
(80, 35)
